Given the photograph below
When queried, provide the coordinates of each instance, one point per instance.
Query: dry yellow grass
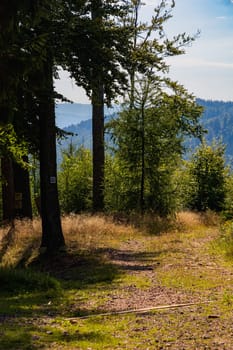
(18, 243)
(90, 232)
(82, 232)
(188, 220)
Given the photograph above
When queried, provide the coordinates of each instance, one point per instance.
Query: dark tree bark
(52, 235)
(98, 121)
(98, 148)
(8, 192)
(23, 204)
(142, 187)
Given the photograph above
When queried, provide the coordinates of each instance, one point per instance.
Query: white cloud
(205, 79)
(151, 2)
(221, 17)
(192, 62)
(69, 89)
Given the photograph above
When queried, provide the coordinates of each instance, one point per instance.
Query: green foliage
(148, 141)
(183, 185)
(11, 145)
(121, 191)
(149, 132)
(228, 203)
(223, 245)
(75, 180)
(207, 174)
(94, 44)
(149, 45)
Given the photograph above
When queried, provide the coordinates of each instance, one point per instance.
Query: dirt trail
(182, 270)
(137, 259)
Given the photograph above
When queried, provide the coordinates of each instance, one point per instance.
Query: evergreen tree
(94, 60)
(148, 45)
(31, 51)
(52, 235)
(149, 141)
(157, 113)
(15, 62)
(207, 178)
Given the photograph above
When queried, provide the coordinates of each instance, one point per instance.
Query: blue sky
(206, 70)
(207, 67)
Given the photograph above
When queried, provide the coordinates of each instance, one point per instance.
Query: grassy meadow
(138, 283)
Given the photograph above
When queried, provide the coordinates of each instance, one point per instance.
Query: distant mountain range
(76, 119)
(217, 119)
(73, 113)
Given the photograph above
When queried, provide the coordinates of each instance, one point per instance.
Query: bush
(207, 178)
(75, 180)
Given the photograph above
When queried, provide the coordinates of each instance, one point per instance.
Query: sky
(206, 69)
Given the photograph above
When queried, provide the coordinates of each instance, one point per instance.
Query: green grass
(189, 280)
(26, 280)
(223, 245)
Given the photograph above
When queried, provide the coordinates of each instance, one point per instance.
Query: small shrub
(224, 244)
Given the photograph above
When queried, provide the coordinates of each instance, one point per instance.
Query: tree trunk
(98, 123)
(23, 204)
(8, 192)
(142, 186)
(98, 148)
(52, 236)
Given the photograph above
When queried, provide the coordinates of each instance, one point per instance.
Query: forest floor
(125, 288)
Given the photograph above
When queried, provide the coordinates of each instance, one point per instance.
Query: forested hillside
(217, 119)
(81, 131)
(74, 113)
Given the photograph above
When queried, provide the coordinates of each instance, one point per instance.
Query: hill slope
(217, 119)
(73, 113)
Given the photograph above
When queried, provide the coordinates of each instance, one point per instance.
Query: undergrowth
(223, 245)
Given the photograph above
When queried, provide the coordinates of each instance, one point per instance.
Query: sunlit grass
(192, 222)
(19, 244)
(82, 233)
(90, 233)
(190, 280)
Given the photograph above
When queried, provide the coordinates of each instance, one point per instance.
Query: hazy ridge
(217, 119)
